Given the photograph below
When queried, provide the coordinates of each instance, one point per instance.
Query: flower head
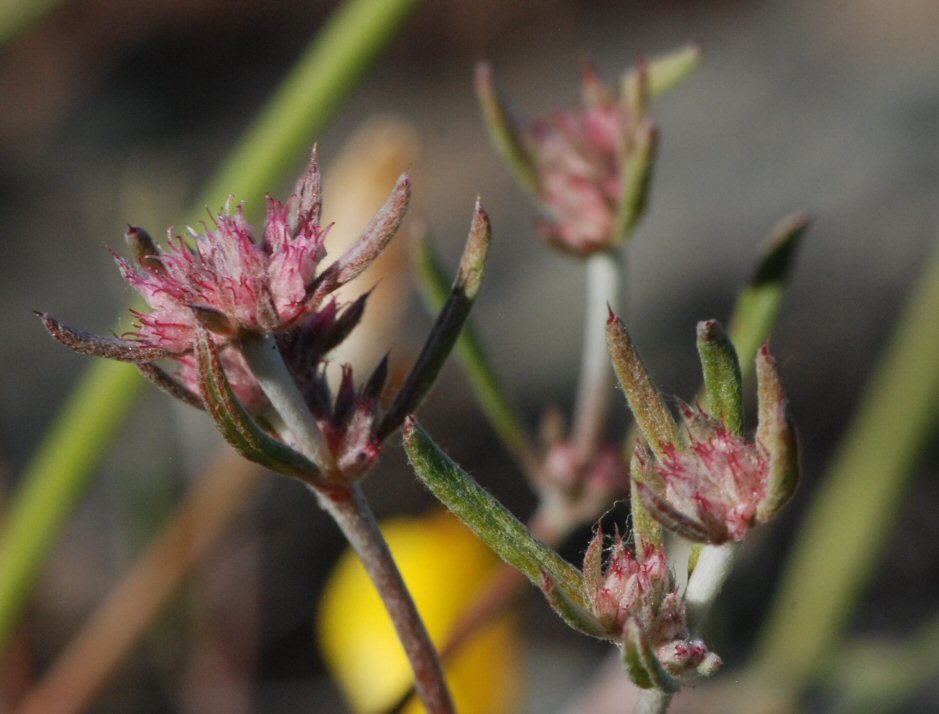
(588, 166)
(707, 481)
(712, 486)
(638, 590)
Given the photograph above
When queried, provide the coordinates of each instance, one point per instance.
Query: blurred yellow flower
(444, 566)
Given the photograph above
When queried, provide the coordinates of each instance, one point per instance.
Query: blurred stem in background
(840, 542)
(57, 475)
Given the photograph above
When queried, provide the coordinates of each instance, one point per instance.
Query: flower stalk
(593, 391)
(356, 521)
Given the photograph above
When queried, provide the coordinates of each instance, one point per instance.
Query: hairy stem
(593, 390)
(347, 506)
(355, 519)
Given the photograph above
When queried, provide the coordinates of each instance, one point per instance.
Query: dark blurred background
(118, 110)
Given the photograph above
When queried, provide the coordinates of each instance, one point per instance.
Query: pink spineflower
(578, 161)
(714, 485)
(236, 283)
(588, 166)
(639, 587)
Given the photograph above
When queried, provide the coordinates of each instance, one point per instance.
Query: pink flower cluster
(639, 586)
(712, 487)
(578, 160)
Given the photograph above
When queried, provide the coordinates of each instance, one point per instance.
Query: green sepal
(775, 433)
(723, 384)
(573, 614)
(447, 328)
(643, 666)
(646, 402)
(236, 425)
(487, 518)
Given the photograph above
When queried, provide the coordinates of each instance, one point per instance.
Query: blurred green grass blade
(56, 478)
(842, 537)
(331, 66)
(487, 388)
(17, 16)
(59, 471)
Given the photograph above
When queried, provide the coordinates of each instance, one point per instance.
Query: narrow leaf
(506, 132)
(236, 425)
(643, 666)
(637, 178)
(645, 401)
(671, 69)
(447, 328)
(487, 518)
(776, 435)
(167, 383)
(573, 615)
(490, 394)
(722, 382)
(368, 246)
(758, 303)
(110, 347)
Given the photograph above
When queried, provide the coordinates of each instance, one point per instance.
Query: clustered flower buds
(220, 304)
(637, 590)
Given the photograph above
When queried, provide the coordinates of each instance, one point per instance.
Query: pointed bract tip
(706, 328)
(611, 316)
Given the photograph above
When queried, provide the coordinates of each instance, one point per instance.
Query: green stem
(847, 527)
(58, 473)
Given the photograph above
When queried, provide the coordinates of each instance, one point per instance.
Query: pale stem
(348, 508)
(268, 367)
(357, 523)
(593, 390)
(710, 572)
(652, 701)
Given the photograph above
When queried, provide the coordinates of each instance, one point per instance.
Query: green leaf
(643, 666)
(237, 426)
(447, 328)
(669, 70)
(722, 381)
(487, 518)
(573, 615)
(759, 301)
(637, 178)
(645, 400)
(487, 388)
(506, 132)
